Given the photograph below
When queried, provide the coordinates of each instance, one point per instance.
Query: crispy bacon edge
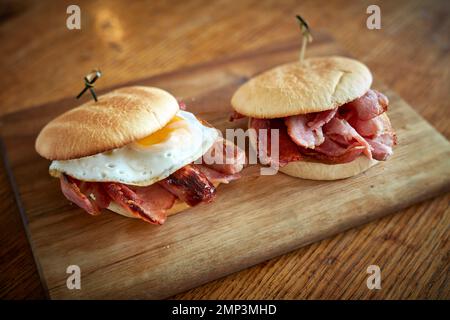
(190, 185)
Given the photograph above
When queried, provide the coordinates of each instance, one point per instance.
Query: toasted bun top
(118, 118)
(317, 84)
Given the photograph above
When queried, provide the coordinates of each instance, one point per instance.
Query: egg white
(136, 164)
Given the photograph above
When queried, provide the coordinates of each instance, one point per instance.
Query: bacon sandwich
(136, 153)
(331, 124)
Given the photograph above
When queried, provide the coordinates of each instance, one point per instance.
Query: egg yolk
(160, 135)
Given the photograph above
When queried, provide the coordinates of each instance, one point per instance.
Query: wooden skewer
(89, 80)
(306, 36)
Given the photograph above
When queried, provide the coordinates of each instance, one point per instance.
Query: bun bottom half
(179, 206)
(321, 171)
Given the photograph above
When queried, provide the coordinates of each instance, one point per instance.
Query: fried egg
(143, 162)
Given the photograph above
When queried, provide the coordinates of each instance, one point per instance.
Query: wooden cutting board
(252, 220)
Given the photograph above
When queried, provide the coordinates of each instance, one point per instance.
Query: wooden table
(43, 61)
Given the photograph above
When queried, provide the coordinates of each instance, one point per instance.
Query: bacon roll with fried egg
(136, 153)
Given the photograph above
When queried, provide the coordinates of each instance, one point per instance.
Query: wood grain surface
(251, 221)
(410, 54)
